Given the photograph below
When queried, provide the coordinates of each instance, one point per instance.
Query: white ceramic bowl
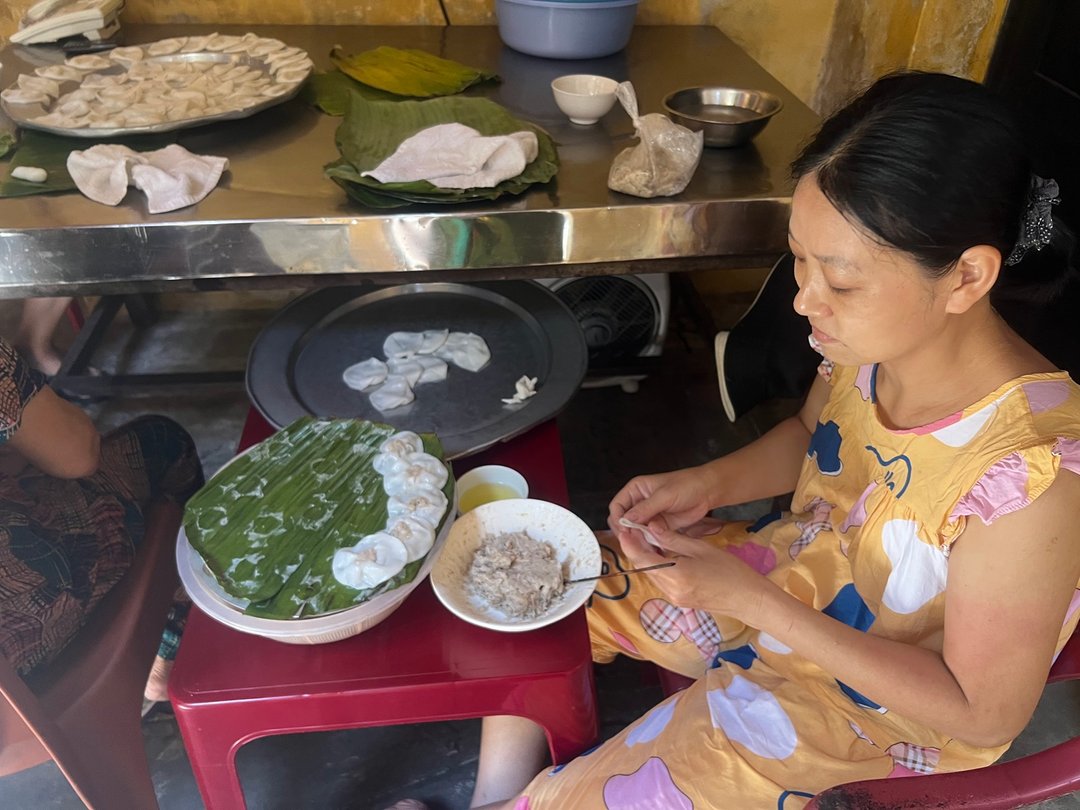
(212, 600)
(208, 595)
(584, 98)
(490, 474)
(574, 543)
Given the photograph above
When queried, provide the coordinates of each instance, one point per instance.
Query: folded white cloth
(171, 177)
(457, 156)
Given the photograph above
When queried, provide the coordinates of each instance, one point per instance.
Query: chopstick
(621, 573)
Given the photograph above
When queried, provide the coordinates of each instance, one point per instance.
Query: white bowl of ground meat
(504, 565)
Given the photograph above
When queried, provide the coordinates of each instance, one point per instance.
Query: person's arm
(766, 467)
(1009, 586)
(56, 437)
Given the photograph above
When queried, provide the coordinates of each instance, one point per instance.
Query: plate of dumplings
(433, 357)
(170, 84)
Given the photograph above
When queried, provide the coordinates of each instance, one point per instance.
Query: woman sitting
(902, 617)
(72, 505)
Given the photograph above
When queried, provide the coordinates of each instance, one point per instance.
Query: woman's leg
(40, 317)
(512, 751)
(157, 685)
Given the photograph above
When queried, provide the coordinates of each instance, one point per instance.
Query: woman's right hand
(682, 497)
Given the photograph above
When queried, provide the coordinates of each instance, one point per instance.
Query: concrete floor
(368, 769)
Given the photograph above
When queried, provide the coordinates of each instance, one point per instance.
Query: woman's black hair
(931, 165)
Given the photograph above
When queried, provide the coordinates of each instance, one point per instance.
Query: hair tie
(1037, 221)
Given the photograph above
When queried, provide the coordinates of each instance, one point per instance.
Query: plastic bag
(665, 159)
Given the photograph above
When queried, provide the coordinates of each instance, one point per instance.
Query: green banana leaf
(268, 525)
(408, 72)
(45, 151)
(7, 143)
(50, 152)
(330, 92)
(373, 130)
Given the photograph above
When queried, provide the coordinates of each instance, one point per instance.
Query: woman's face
(865, 303)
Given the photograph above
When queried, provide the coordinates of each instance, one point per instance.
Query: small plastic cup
(492, 482)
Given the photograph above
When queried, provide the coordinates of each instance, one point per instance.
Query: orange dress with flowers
(867, 542)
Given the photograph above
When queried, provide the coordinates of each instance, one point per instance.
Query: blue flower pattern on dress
(825, 448)
(743, 656)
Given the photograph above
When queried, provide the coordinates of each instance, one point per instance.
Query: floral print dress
(867, 542)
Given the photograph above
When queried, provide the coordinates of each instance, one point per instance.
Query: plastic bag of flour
(665, 159)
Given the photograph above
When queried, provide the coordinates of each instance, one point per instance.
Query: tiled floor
(602, 431)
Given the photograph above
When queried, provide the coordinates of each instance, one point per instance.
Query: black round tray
(295, 365)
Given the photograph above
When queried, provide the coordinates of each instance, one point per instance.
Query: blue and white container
(566, 29)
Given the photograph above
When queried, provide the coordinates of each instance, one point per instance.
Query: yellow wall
(823, 50)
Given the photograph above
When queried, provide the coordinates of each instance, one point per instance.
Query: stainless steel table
(277, 221)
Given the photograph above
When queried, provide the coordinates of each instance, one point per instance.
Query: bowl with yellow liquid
(492, 482)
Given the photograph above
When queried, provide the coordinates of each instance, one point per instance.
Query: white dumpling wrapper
(165, 47)
(417, 471)
(465, 350)
(372, 561)
(402, 444)
(417, 535)
(424, 503)
(434, 368)
(266, 46)
(432, 340)
(293, 74)
(60, 73)
(16, 95)
(393, 393)
(406, 367)
(195, 44)
(49, 87)
(365, 374)
(386, 463)
(89, 61)
(219, 42)
(402, 345)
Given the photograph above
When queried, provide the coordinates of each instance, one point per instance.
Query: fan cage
(619, 316)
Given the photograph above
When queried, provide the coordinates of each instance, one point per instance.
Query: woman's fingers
(638, 551)
(672, 541)
(703, 528)
(634, 491)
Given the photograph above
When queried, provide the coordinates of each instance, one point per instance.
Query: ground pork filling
(516, 574)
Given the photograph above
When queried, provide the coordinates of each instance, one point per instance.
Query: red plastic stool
(421, 664)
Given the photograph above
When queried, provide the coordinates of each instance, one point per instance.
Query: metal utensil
(621, 573)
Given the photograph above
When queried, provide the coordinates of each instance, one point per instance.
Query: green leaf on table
(408, 71)
(330, 92)
(50, 152)
(373, 130)
(45, 151)
(7, 143)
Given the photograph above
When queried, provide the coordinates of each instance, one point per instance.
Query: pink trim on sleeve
(1069, 451)
(1001, 490)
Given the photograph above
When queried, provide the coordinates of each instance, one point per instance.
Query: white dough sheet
(456, 156)
(365, 374)
(465, 350)
(415, 358)
(393, 393)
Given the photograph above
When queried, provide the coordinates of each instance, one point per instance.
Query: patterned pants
(65, 543)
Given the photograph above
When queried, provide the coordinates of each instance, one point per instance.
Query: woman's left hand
(704, 576)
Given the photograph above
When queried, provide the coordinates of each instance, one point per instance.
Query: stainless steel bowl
(727, 115)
